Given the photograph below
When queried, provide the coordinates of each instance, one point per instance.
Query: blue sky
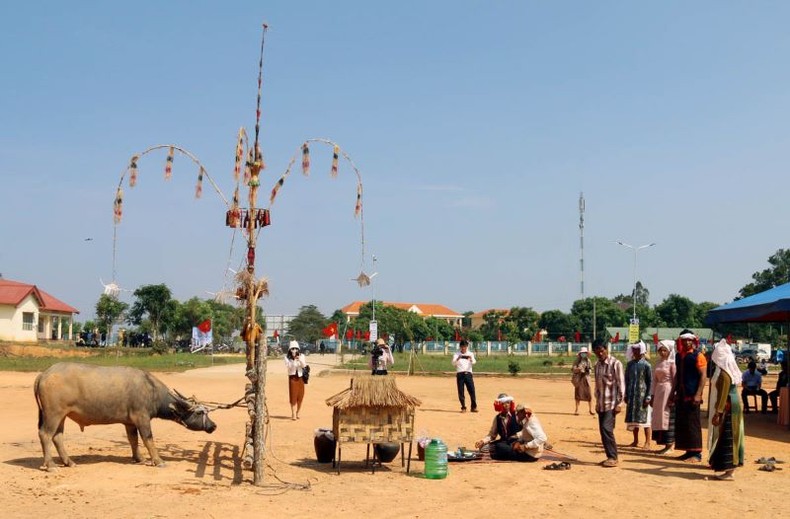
(475, 126)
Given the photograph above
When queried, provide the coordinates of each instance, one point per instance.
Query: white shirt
(463, 365)
(533, 436)
(296, 366)
(384, 360)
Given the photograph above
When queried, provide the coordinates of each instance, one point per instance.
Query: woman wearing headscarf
(638, 383)
(663, 422)
(295, 362)
(581, 379)
(725, 414)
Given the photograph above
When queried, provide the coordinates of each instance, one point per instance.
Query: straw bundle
(372, 391)
(245, 280)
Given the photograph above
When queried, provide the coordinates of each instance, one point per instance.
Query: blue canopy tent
(772, 305)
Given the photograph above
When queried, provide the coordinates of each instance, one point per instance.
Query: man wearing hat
(690, 378)
(380, 358)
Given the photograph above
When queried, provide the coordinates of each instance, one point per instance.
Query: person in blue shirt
(753, 385)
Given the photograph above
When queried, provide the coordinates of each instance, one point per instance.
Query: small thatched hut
(373, 410)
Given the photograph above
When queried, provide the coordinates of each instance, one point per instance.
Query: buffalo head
(192, 415)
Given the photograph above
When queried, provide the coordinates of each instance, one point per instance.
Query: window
(27, 320)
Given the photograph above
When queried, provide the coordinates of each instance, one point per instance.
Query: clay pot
(386, 452)
(324, 449)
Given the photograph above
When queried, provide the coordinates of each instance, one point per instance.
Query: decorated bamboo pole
(253, 292)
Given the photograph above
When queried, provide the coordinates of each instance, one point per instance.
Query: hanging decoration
(133, 171)
(239, 155)
(118, 205)
(247, 167)
(358, 205)
(305, 159)
(362, 279)
(199, 186)
(169, 164)
(335, 153)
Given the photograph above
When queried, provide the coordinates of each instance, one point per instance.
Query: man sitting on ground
(531, 439)
(503, 429)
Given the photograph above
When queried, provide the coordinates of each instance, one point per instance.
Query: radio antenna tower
(581, 239)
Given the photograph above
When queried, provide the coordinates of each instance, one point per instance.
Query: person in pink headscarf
(663, 422)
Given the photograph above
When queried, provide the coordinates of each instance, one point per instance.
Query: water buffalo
(92, 395)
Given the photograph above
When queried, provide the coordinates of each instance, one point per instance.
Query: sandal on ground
(553, 466)
(565, 465)
(771, 460)
(769, 467)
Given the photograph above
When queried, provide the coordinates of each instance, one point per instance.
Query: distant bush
(513, 367)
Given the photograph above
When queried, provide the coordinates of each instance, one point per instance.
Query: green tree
(108, 310)
(778, 274)
(524, 322)
(493, 327)
(677, 311)
(155, 304)
(308, 324)
(440, 329)
(558, 323)
(189, 314)
(607, 313)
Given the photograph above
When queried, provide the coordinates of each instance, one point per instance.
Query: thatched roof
(372, 391)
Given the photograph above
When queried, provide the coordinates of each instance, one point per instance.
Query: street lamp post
(636, 252)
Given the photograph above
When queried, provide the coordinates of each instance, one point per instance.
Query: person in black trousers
(463, 360)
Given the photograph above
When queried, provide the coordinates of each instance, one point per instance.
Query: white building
(28, 314)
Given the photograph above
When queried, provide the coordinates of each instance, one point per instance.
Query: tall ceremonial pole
(254, 339)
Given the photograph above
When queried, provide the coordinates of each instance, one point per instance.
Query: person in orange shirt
(690, 379)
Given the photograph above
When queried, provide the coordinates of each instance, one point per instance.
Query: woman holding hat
(581, 379)
(295, 361)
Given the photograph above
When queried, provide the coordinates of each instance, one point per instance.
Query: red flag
(616, 337)
(655, 339)
(205, 326)
(457, 335)
(367, 335)
(330, 330)
(577, 336)
(276, 334)
(359, 334)
(350, 334)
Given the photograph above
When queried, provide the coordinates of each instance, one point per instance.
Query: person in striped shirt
(609, 392)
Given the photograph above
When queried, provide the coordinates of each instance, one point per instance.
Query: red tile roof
(13, 293)
(419, 308)
(480, 314)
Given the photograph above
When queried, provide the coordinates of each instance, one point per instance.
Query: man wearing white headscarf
(663, 422)
(503, 428)
(725, 411)
(638, 382)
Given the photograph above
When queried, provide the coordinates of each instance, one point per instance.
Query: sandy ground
(203, 476)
